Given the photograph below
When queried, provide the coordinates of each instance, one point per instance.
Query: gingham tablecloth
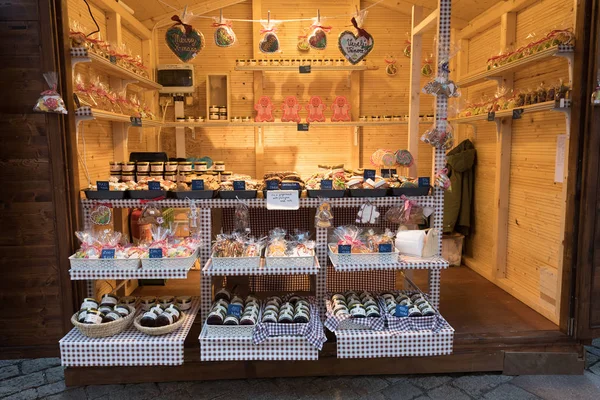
(333, 321)
(398, 325)
(312, 331)
(129, 348)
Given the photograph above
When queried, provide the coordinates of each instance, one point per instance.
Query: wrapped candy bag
(301, 245)
(50, 100)
(90, 248)
(124, 103)
(323, 216)
(440, 138)
(77, 35)
(242, 217)
(407, 212)
(317, 39)
(442, 181)
(277, 246)
(269, 43)
(254, 247)
(349, 235)
(136, 107)
(83, 92)
(229, 246)
(224, 34)
(375, 239)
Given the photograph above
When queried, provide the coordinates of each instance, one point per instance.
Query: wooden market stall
(519, 303)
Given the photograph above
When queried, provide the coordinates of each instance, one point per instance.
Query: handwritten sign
(102, 185)
(326, 184)
(517, 113)
(135, 121)
(155, 253)
(344, 249)
(491, 116)
(354, 47)
(185, 45)
(153, 185)
(197, 184)
(239, 185)
(283, 200)
(107, 253)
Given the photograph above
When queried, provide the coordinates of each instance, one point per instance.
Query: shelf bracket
(498, 79)
(569, 55)
(349, 79)
(77, 60)
(498, 122)
(567, 112)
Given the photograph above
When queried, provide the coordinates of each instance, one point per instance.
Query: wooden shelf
(114, 70)
(546, 106)
(87, 113)
(210, 124)
(296, 68)
(482, 76)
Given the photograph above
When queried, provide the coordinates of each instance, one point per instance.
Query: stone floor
(44, 379)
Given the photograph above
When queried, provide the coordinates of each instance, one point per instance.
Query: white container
(171, 166)
(115, 167)
(128, 167)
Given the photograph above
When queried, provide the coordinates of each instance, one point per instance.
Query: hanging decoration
(367, 213)
(270, 41)
(242, 217)
(355, 47)
(442, 87)
(50, 100)
(264, 110)
(315, 109)
(101, 215)
(391, 69)
(303, 43)
(427, 68)
(290, 108)
(442, 181)
(440, 138)
(183, 40)
(323, 216)
(341, 110)
(224, 34)
(318, 37)
(407, 48)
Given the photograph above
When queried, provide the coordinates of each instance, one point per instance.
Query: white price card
(283, 199)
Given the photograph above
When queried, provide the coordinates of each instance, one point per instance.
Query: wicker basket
(170, 262)
(106, 329)
(162, 330)
(342, 260)
(86, 264)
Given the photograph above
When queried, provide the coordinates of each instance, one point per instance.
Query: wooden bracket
(567, 112)
(570, 57)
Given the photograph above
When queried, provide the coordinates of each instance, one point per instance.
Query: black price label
(235, 309)
(135, 121)
(385, 248)
(424, 181)
(290, 186)
(393, 172)
(369, 174)
(303, 127)
(113, 59)
(304, 69)
(197, 184)
(517, 113)
(239, 185)
(155, 253)
(273, 184)
(491, 116)
(107, 253)
(153, 185)
(102, 185)
(344, 249)
(385, 173)
(326, 184)
(401, 311)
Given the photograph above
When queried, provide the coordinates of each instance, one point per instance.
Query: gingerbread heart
(184, 45)
(269, 43)
(355, 48)
(101, 215)
(224, 36)
(318, 39)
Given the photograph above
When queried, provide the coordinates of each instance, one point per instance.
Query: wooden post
(355, 131)
(150, 96)
(414, 90)
(259, 133)
(508, 23)
(461, 67)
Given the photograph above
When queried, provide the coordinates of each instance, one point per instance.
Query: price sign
(155, 253)
(153, 185)
(283, 200)
(102, 185)
(326, 184)
(517, 113)
(401, 311)
(344, 249)
(273, 185)
(239, 185)
(424, 181)
(393, 172)
(113, 59)
(107, 253)
(304, 69)
(385, 248)
(302, 127)
(385, 173)
(290, 186)
(235, 309)
(491, 116)
(197, 184)
(135, 121)
(369, 174)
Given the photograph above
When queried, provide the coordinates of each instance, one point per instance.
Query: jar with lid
(213, 116)
(223, 116)
(157, 166)
(142, 166)
(171, 176)
(213, 109)
(89, 302)
(127, 177)
(219, 166)
(149, 319)
(93, 317)
(183, 302)
(128, 167)
(115, 166)
(174, 311)
(226, 176)
(127, 300)
(109, 300)
(147, 302)
(122, 310)
(82, 314)
(166, 300)
(156, 175)
(185, 166)
(200, 166)
(142, 175)
(171, 166)
(111, 317)
(223, 109)
(115, 176)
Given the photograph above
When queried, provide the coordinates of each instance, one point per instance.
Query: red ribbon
(267, 30)
(325, 28)
(151, 200)
(361, 32)
(188, 28)
(218, 24)
(390, 61)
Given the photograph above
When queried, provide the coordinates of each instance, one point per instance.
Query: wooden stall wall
(35, 291)
(536, 202)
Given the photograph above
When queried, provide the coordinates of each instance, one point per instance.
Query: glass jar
(89, 302)
(142, 175)
(184, 302)
(213, 109)
(200, 166)
(219, 166)
(226, 176)
(147, 302)
(171, 176)
(157, 166)
(127, 177)
(115, 176)
(128, 167)
(115, 166)
(156, 176)
(185, 166)
(93, 317)
(142, 166)
(171, 166)
(213, 116)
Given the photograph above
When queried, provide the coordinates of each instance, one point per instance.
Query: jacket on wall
(458, 202)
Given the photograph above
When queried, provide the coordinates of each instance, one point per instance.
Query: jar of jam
(89, 302)
(157, 166)
(164, 319)
(149, 319)
(82, 314)
(142, 166)
(219, 166)
(174, 311)
(171, 176)
(223, 294)
(216, 316)
(116, 176)
(127, 177)
(105, 309)
(269, 316)
(128, 167)
(127, 300)
(226, 176)
(142, 175)
(93, 317)
(109, 300)
(285, 318)
(122, 310)
(301, 317)
(166, 301)
(115, 166)
(200, 166)
(171, 166)
(185, 166)
(184, 302)
(111, 317)
(147, 302)
(231, 320)
(157, 309)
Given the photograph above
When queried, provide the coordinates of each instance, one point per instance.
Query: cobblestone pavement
(44, 379)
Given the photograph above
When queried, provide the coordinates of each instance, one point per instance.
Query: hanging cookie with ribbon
(183, 40)
(303, 43)
(355, 46)
(269, 43)
(101, 215)
(224, 34)
(407, 47)
(317, 39)
(427, 68)
(390, 66)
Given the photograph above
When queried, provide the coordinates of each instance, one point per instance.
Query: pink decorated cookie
(264, 110)
(315, 109)
(341, 109)
(290, 108)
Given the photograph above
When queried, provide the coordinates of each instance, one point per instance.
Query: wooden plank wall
(535, 207)
(285, 148)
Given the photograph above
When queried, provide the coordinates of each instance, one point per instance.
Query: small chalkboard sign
(135, 121)
(517, 113)
(107, 253)
(326, 184)
(304, 69)
(197, 184)
(239, 185)
(491, 116)
(290, 186)
(272, 184)
(113, 59)
(153, 185)
(369, 174)
(155, 253)
(303, 127)
(385, 247)
(344, 249)
(102, 185)
(424, 181)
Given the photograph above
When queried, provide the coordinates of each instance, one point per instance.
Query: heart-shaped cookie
(184, 45)
(354, 48)
(269, 43)
(101, 215)
(224, 36)
(318, 39)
